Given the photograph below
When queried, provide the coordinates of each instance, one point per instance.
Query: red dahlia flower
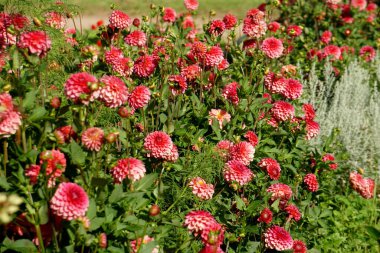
(359, 4)
(252, 138)
(230, 92)
(169, 15)
(292, 89)
(266, 216)
(214, 56)
(272, 47)
(312, 129)
(364, 186)
(293, 212)
(37, 42)
(158, 144)
(54, 162)
(139, 97)
(282, 111)
(55, 20)
(299, 247)
(136, 38)
(311, 182)
(119, 19)
(144, 66)
(368, 53)
(235, 171)
(69, 202)
(217, 27)
(197, 221)
(78, 88)
(230, 21)
(242, 152)
(177, 84)
(272, 167)
(280, 191)
(294, 30)
(114, 93)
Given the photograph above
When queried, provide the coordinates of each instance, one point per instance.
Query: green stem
(39, 235)
(175, 202)
(5, 160)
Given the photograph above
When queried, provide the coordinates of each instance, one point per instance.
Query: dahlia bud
(124, 112)
(112, 137)
(361, 171)
(103, 240)
(7, 88)
(153, 6)
(161, 8)
(154, 210)
(94, 86)
(37, 22)
(347, 32)
(276, 3)
(235, 186)
(145, 18)
(55, 102)
(212, 13)
(136, 22)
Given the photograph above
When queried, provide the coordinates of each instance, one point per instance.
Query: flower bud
(55, 102)
(154, 210)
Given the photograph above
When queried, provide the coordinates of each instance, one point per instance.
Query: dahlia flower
(197, 221)
(77, 88)
(294, 30)
(235, 171)
(230, 92)
(201, 189)
(54, 162)
(359, 4)
(69, 202)
(230, 21)
(311, 182)
(123, 66)
(272, 167)
(364, 186)
(282, 111)
(64, 134)
(309, 111)
(272, 47)
(293, 212)
(136, 38)
(280, 191)
(158, 144)
(177, 84)
(112, 55)
(274, 26)
(293, 89)
(299, 247)
(312, 129)
(32, 171)
(191, 72)
(217, 27)
(368, 53)
(274, 83)
(252, 138)
(139, 97)
(9, 123)
(144, 66)
(191, 5)
(130, 168)
(254, 27)
(266, 216)
(242, 152)
(332, 51)
(55, 20)
(214, 56)
(213, 234)
(278, 238)
(93, 138)
(329, 158)
(37, 42)
(137, 244)
(114, 93)
(326, 37)
(103, 240)
(223, 148)
(169, 15)
(19, 21)
(119, 19)
(220, 115)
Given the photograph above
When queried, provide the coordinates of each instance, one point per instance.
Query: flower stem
(5, 159)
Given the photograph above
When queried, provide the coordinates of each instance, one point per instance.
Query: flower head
(293, 212)
(214, 56)
(242, 152)
(312, 129)
(37, 42)
(272, 47)
(169, 15)
(292, 89)
(144, 66)
(368, 53)
(136, 38)
(191, 5)
(217, 27)
(177, 84)
(235, 171)
(114, 93)
(119, 19)
(230, 92)
(266, 216)
(364, 186)
(93, 138)
(220, 115)
(191, 72)
(299, 247)
(201, 189)
(272, 167)
(77, 88)
(139, 242)
(278, 238)
(54, 162)
(252, 138)
(280, 191)
(294, 30)
(311, 182)
(69, 202)
(139, 97)
(282, 111)
(230, 21)
(130, 168)
(158, 144)
(197, 221)
(55, 20)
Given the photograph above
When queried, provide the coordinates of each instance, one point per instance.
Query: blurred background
(94, 10)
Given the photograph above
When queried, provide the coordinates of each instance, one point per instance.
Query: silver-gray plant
(351, 105)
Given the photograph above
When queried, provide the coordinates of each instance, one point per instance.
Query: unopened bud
(37, 22)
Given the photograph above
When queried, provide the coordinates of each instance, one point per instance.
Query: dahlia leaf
(275, 205)
(117, 194)
(4, 184)
(77, 153)
(96, 223)
(146, 182)
(252, 246)
(37, 114)
(30, 99)
(239, 203)
(43, 213)
(91, 212)
(22, 245)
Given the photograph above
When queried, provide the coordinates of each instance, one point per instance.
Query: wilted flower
(220, 115)
(54, 162)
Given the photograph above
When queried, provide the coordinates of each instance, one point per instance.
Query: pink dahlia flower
(293, 89)
(103, 240)
(69, 202)
(311, 182)
(191, 5)
(275, 83)
(214, 56)
(93, 138)
(280, 191)
(55, 20)
(235, 171)
(9, 123)
(169, 15)
(197, 221)
(139, 97)
(37, 42)
(123, 66)
(158, 144)
(294, 30)
(213, 234)
(220, 115)
(32, 171)
(299, 247)
(177, 84)
(64, 134)
(293, 212)
(113, 55)
(278, 238)
(217, 27)
(130, 168)
(201, 189)
(272, 47)
(272, 167)
(326, 37)
(364, 186)
(136, 244)
(136, 38)
(252, 138)
(119, 19)
(282, 111)
(368, 53)
(192, 72)
(329, 158)
(230, 92)
(274, 26)
(359, 4)
(312, 129)
(55, 164)
(242, 152)
(198, 50)
(333, 52)
(77, 88)
(266, 216)
(144, 66)
(309, 111)
(114, 93)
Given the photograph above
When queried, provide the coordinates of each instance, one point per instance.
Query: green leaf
(4, 184)
(43, 213)
(239, 203)
(96, 223)
(163, 118)
(215, 127)
(275, 205)
(37, 114)
(22, 245)
(30, 99)
(117, 194)
(146, 182)
(91, 212)
(252, 246)
(373, 232)
(78, 156)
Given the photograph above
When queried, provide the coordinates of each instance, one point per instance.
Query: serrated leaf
(78, 156)
(117, 194)
(30, 99)
(37, 114)
(4, 184)
(146, 182)
(96, 223)
(43, 213)
(22, 245)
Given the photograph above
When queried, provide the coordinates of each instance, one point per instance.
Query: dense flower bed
(149, 135)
